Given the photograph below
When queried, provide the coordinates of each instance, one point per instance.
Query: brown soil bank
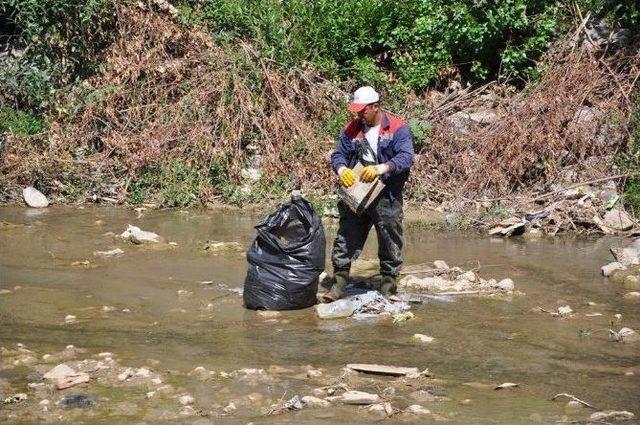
(175, 119)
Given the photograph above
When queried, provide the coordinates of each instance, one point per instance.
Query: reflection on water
(477, 339)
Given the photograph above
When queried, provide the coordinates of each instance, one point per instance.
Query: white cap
(363, 97)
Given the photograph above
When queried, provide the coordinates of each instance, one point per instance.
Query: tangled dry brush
(575, 116)
(171, 93)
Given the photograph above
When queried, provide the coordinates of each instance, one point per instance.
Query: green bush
(629, 161)
(19, 123)
(174, 184)
(413, 39)
(63, 41)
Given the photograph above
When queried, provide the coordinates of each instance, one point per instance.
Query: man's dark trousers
(386, 216)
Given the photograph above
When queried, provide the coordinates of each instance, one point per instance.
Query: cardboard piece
(361, 195)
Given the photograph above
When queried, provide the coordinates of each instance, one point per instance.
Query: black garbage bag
(286, 259)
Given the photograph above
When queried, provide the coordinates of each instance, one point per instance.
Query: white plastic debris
(34, 198)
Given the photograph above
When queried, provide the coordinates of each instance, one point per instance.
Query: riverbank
(162, 131)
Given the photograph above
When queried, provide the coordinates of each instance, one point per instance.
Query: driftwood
(376, 369)
(574, 398)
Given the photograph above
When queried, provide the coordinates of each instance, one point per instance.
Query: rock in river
(63, 376)
(607, 270)
(424, 339)
(611, 415)
(359, 397)
(416, 409)
(139, 236)
(314, 402)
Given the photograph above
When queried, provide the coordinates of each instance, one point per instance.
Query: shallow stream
(479, 342)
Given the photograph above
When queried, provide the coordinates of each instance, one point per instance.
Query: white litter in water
(373, 304)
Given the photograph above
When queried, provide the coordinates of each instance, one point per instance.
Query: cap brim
(356, 107)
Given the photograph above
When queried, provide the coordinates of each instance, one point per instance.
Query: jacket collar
(385, 122)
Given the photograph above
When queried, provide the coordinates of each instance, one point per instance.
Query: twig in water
(574, 398)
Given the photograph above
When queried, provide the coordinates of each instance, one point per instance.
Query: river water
(479, 342)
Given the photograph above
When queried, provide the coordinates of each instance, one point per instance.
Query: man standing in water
(383, 143)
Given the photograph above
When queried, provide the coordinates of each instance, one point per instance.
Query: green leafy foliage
(629, 161)
(58, 43)
(176, 185)
(420, 130)
(19, 123)
(413, 40)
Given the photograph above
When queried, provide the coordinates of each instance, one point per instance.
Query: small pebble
(314, 373)
(425, 339)
(186, 399)
(230, 408)
(144, 372)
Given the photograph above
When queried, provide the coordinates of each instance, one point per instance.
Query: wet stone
(314, 402)
(423, 339)
(607, 270)
(138, 236)
(269, 314)
(631, 282)
(505, 285)
(16, 398)
(439, 264)
(416, 409)
(230, 408)
(611, 415)
(35, 377)
(633, 296)
(186, 399)
(359, 397)
(314, 373)
(77, 400)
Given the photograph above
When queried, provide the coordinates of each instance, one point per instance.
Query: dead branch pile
(575, 116)
(171, 93)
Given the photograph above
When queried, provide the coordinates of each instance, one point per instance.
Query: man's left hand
(370, 172)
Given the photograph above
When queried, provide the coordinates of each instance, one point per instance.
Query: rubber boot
(388, 286)
(338, 288)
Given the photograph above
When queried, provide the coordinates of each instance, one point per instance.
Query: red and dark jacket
(395, 148)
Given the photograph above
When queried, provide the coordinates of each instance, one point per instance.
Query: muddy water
(478, 340)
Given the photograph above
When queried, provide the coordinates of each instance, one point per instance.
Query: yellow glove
(368, 173)
(347, 177)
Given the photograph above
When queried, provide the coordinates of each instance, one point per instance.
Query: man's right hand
(347, 177)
